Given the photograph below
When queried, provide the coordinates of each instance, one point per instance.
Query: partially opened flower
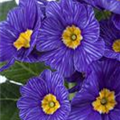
(99, 97)
(69, 37)
(111, 36)
(110, 5)
(44, 98)
(18, 34)
(77, 78)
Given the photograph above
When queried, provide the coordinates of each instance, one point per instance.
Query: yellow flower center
(105, 102)
(50, 104)
(72, 37)
(23, 40)
(116, 46)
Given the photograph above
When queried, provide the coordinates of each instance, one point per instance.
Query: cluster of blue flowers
(66, 36)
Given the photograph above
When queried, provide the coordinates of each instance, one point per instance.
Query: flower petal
(58, 59)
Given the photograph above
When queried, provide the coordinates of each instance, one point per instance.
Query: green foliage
(9, 111)
(21, 72)
(10, 90)
(4, 8)
(101, 15)
(9, 95)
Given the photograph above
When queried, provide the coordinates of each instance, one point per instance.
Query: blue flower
(111, 36)
(99, 98)
(69, 37)
(44, 97)
(18, 34)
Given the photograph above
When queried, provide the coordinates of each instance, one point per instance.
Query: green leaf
(9, 90)
(9, 111)
(21, 72)
(9, 95)
(5, 7)
(102, 15)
